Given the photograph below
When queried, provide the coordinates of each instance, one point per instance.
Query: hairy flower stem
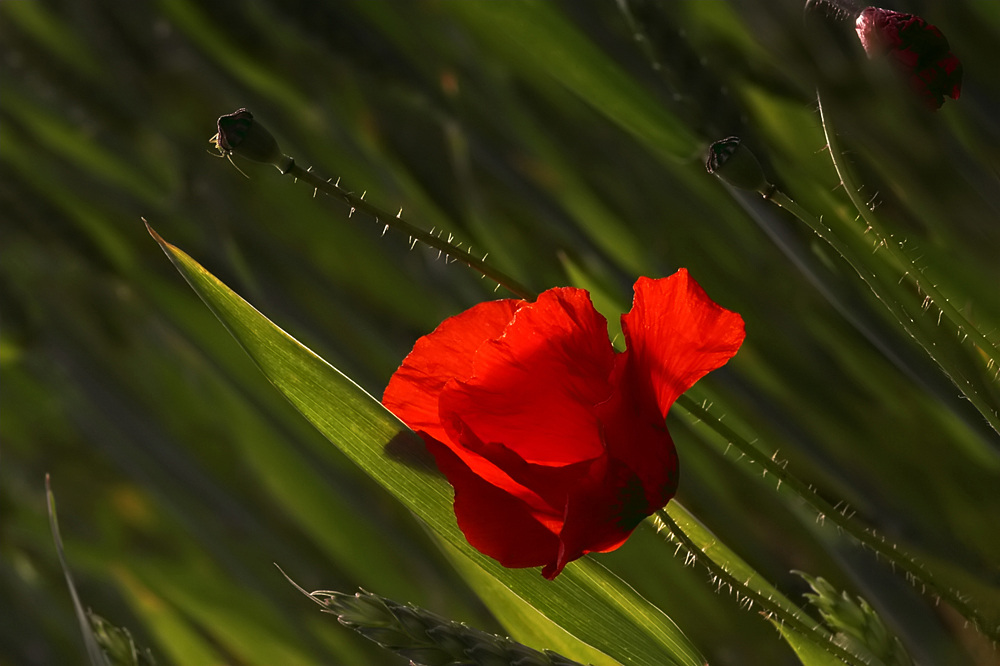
(839, 516)
(910, 274)
(795, 619)
(415, 233)
(899, 285)
(239, 133)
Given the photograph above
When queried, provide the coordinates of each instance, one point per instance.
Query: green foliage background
(537, 132)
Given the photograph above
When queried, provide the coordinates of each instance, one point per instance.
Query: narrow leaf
(808, 652)
(587, 600)
(94, 652)
(752, 591)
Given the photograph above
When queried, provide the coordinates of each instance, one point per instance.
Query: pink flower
(917, 49)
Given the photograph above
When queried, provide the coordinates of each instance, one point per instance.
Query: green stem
(794, 619)
(826, 511)
(900, 270)
(415, 233)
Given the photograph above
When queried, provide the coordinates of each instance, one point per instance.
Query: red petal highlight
(495, 522)
(676, 335)
(556, 445)
(445, 354)
(534, 389)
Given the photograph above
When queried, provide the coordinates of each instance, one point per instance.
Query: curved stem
(793, 619)
(909, 273)
(826, 511)
(416, 233)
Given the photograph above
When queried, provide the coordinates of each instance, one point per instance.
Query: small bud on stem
(239, 134)
(735, 165)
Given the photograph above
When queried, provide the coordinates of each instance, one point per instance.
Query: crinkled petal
(495, 521)
(541, 488)
(486, 469)
(636, 436)
(446, 353)
(534, 389)
(555, 445)
(600, 514)
(675, 335)
(551, 484)
(592, 505)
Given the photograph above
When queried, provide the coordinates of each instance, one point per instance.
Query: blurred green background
(538, 132)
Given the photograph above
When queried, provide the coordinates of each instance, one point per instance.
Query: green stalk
(887, 280)
(894, 281)
(792, 618)
(866, 536)
(415, 233)
(239, 133)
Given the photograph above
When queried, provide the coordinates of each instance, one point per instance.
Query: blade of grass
(899, 284)
(178, 640)
(246, 627)
(94, 652)
(524, 623)
(586, 600)
(808, 652)
(729, 571)
(865, 536)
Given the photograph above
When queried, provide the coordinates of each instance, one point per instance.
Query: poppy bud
(239, 134)
(916, 48)
(736, 165)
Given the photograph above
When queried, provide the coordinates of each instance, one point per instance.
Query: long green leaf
(523, 622)
(733, 573)
(546, 48)
(94, 653)
(179, 640)
(586, 600)
(808, 652)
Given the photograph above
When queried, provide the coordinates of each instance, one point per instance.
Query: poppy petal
(495, 522)
(636, 437)
(502, 468)
(556, 446)
(446, 353)
(534, 389)
(676, 335)
(604, 508)
(552, 484)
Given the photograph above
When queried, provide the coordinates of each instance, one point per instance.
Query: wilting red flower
(555, 444)
(917, 48)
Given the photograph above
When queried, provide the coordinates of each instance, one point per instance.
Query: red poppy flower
(917, 48)
(556, 444)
